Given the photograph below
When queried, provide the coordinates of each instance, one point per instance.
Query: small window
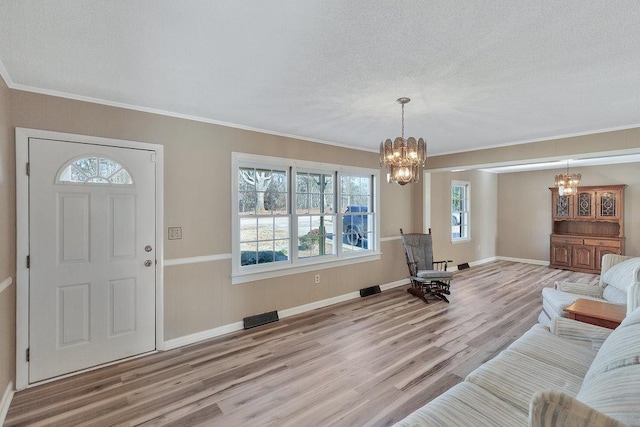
(460, 211)
(95, 170)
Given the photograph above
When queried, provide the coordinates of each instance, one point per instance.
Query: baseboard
(524, 260)
(239, 326)
(396, 284)
(203, 335)
(474, 263)
(5, 402)
(483, 261)
(318, 304)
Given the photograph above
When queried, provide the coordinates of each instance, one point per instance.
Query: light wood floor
(369, 361)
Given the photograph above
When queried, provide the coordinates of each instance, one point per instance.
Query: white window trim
(466, 184)
(293, 265)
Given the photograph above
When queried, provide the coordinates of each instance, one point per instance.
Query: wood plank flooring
(368, 362)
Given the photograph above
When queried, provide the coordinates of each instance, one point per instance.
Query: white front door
(92, 249)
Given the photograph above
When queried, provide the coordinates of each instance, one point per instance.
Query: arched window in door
(94, 170)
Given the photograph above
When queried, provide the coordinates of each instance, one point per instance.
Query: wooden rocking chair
(428, 277)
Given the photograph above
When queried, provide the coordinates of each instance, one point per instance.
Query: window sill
(303, 268)
(465, 240)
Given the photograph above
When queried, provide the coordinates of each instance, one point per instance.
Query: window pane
(265, 228)
(95, 170)
(314, 192)
(355, 191)
(248, 253)
(315, 236)
(107, 167)
(281, 229)
(88, 166)
(121, 177)
(247, 202)
(263, 191)
(248, 229)
(246, 179)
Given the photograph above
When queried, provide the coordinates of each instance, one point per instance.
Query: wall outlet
(175, 233)
(316, 279)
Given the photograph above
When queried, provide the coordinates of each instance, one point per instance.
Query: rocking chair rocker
(428, 277)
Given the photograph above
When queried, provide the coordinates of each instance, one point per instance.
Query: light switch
(175, 233)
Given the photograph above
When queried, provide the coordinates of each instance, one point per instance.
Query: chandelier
(568, 184)
(402, 157)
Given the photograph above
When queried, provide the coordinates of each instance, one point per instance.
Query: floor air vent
(365, 292)
(260, 319)
(463, 266)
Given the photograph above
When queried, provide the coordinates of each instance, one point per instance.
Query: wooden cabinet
(585, 226)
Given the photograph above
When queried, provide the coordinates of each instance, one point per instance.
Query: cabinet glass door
(562, 207)
(584, 205)
(607, 204)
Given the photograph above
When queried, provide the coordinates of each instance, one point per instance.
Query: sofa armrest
(608, 261)
(580, 332)
(580, 289)
(550, 408)
(633, 297)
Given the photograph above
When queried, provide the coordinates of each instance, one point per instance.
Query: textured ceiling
(482, 73)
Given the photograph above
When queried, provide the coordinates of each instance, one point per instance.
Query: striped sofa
(619, 284)
(573, 374)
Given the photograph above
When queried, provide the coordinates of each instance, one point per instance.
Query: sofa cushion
(623, 274)
(554, 408)
(555, 301)
(620, 349)
(515, 377)
(540, 344)
(615, 393)
(579, 288)
(435, 274)
(611, 383)
(615, 295)
(466, 404)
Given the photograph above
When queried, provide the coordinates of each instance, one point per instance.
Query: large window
(291, 215)
(460, 211)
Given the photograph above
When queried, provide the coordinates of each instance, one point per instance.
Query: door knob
(148, 248)
(148, 263)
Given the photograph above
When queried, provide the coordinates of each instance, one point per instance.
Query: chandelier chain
(402, 134)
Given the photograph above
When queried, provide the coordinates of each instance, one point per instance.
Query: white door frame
(426, 202)
(22, 235)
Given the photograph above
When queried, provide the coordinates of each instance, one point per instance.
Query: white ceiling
(480, 74)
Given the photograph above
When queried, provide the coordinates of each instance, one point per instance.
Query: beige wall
(7, 242)
(524, 208)
(557, 148)
(199, 297)
(484, 204)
